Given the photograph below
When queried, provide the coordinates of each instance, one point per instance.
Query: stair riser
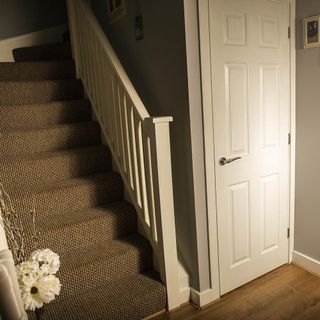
(38, 171)
(69, 198)
(130, 264)
(77, 236)
(51, 139)
(24, 71)
(133, 298)
(39, 91)
(35, 116)
(52, 52)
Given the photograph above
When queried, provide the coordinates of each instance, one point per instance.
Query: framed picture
(311, 32)
(116, 9)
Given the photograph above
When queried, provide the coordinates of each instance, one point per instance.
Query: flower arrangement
(36, 275)
(37, 279)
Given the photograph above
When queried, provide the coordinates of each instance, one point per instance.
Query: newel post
(159, 134)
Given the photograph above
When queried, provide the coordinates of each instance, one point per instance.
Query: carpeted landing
(52, 157)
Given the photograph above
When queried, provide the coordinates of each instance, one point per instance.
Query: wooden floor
(286, 293)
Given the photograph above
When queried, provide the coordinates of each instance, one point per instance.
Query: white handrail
(140, 145)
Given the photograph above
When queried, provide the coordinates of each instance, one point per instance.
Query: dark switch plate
(139, 27)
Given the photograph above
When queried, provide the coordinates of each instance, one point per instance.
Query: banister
(140, 144)
(126, 82)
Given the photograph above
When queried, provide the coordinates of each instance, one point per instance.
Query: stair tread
(80, 257)
(78, 244)
(111, 260)
(34, 169)
(37, 70)
(22, 92)
(47, 104)
(114, 212)
(7, 160)
(129, 298)
(67, 195)
(41, 115)
(64, 184)
(77, 235)
(56, 137)
(24, 130)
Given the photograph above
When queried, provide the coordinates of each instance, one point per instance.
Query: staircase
(52, 159)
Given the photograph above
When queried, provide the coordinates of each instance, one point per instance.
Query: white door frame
(207, 109)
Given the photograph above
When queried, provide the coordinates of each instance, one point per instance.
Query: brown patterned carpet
(51, 156)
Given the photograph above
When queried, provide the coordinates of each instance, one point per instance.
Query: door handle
(223, 160)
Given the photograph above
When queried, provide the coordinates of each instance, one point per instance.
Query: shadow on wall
(20, 17)
(157, 67)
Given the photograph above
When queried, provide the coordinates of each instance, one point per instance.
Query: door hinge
(288, 233)
(289, 138)
(289, 32)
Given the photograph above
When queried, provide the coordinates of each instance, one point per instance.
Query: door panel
(251, 76)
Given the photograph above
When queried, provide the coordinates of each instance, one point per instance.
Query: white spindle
(141, 168)
(127, 142)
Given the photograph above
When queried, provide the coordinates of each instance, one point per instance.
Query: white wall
(157, 66)
(19, 17)
(307, 219)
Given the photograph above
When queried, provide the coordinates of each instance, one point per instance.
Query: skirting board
(305, 262)
(204, 298)
(49, 35)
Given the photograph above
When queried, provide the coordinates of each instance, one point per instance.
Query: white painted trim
(207, 101)
(305, 262)
(184, 283)
(49, 35)
(206, 77)
(292, 4)
(202, 299)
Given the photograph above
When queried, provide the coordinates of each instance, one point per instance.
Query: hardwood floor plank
(287, 293)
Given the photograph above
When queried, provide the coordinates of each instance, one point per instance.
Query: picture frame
(311, 32)
(116, 10)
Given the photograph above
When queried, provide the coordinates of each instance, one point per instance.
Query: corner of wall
(49, 35)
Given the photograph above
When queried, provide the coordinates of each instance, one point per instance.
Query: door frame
(207, 114)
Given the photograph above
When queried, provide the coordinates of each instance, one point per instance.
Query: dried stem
(35, 234)
(12, 225)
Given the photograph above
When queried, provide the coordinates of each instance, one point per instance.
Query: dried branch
(12, 225)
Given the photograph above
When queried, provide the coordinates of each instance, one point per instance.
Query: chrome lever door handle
(223, 160)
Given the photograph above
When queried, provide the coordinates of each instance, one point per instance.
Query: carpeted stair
(52, 159)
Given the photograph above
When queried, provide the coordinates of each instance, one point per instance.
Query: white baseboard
(49, 35)
(306, 262)
(201, 299)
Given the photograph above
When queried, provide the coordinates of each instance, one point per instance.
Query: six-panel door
(250, 54)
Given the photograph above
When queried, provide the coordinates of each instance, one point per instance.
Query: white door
(250, 57)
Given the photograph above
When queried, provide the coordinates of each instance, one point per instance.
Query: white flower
(28, 271)
(41, 291)
(36, 279)
(49, 262)
(49, 287)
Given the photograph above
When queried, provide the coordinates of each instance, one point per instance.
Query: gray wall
(18, 17)
(307, 220)
(157, 66)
